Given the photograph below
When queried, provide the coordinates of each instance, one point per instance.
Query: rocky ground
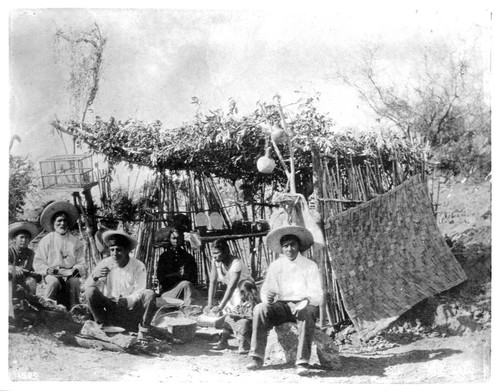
(444, 339)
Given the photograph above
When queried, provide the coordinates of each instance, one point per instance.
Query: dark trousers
(107, 311)
(266, 316)
(64, 291)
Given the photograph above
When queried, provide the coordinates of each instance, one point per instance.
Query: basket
(388, 254)
(173, 325)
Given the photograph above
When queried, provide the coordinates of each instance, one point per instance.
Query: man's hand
(53, 270)
(216, 311)
(300, 308)
(207, 308)
(103, 272)
(270, 296)
(19, 272)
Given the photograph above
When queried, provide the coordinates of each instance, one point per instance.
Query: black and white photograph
(218, 194)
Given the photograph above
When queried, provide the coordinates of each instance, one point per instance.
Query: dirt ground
(434, 360)
(430, 357)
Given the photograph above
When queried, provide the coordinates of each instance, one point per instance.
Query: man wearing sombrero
(59, 256)
(116, 291)
(291, 293)
(21, 257)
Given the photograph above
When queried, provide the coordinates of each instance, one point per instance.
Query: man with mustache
(59, 256)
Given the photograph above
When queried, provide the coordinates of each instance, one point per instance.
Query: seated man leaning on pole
(116, 291)
(291, 293)
(60, 256)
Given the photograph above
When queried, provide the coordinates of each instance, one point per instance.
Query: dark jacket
(23, 258)
(171, 262)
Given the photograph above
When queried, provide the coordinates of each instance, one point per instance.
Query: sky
(156, 60)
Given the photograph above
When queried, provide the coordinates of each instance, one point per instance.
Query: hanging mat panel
(388, 254)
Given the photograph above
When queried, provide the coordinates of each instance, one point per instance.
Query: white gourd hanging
(265, 164)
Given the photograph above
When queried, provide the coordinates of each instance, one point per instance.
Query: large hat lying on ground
(305, 237)
(106, 236)
(22, 226)
(56, 207)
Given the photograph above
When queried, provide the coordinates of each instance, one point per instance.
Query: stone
(124, 341)
(93, 330)
(282, 347)
(456, 321)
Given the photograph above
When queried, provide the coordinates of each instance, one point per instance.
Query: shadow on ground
(376, 366)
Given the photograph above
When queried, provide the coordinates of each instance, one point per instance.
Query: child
(239, 320)
(21, 272)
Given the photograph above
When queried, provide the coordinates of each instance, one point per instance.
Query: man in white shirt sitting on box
(291, 293)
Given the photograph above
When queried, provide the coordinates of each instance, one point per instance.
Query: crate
(67, 171)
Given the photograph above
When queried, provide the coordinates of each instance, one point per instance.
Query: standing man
(116, 291)
(291, 293)
(59, 257)
(177, 272)
(21, 270)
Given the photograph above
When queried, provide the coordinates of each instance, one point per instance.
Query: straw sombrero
(108, 234)
(22, 226)
(305, 237)
(101, 247)
(56, 207)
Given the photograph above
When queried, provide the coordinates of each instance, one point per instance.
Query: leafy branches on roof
(227, 145)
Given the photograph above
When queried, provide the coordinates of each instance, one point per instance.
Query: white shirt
(128, 281)
(293, 280)
(56, 250)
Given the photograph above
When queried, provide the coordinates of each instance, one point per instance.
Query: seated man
(291, 280)
(116, 291)
(177, 272)
(59, 256)
(21, 272)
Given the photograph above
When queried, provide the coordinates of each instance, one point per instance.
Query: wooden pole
(89, 237)
(290, 148)
(318, 189)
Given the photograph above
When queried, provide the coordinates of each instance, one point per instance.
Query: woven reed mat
(388, 254)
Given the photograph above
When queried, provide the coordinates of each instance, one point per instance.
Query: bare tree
(82, 53)
(434, 98)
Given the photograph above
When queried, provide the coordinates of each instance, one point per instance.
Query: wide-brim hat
(99, 242)
(108, 234)
(56, 207)
(23, 226)
(305, 237)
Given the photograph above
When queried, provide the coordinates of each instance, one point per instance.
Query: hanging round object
(267, 128)
(278, 134)
(265, 164)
